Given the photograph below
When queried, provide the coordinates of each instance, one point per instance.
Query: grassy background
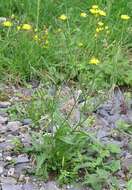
(22, 59)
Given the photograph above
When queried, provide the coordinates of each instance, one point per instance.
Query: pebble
(30, 186)
(22, 159)
(1, 170)
(11, 171)
(127, 163)
(3, 113)
(3, 120)
(21, 178)
(13, 126)
(5, 104)
(2, 19)
(7, 186)
(3, 129)
(8, 158)
(51, 185)
(8, 180)
(27, 122)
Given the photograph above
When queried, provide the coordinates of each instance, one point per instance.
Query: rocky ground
(15, 168)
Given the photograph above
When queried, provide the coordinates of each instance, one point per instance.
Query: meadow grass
(88, 42)
(58, 49)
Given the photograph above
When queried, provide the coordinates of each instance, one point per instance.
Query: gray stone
(2, 19)
(3, 113)
(102, 133)
(8, 180)
(3, 120)
(127, 163)
(74, 187)
(1, 170)
(22, 159)
(11, 172)
(3, 128)
(23, 168)
(31, 186)
(26, 139)
(2, 139)
(8, 158)
(7, 186)
(13, 126)
(27, 121)
(5, 104)
(6, 145)
(51, 185)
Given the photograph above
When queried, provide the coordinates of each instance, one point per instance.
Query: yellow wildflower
(36, 38)
(99, 29)
(63, 17)
(18, 27)
(46, 32)
(107, 32)
(101, 12)
(100, 23)
(46, 42)
(94, 61)
(94, 11)
(12, 16)
(95, 6)
(36, 30)
(80, 44)
(26, 27)
(106, 27)
(83, 14)
(125, 17)
(7, 23)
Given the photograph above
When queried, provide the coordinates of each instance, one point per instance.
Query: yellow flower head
(46, 32)
(101, 12)
(36, 38)
(106, 27)
(12, 16)
(125, 17)
(100, 23)
(94, 11)
(95, 6)
(63, 17)
(80, 44)
(99, 29)
(18, 27)
(107, 32)
(46, 42)
(94, 61)
(7, 23)
(26, 27)
(83, 14)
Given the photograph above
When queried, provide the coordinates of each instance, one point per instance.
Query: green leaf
(114, 165)
(129, 185)
(114, 148)
(103, 174)
(93, 181)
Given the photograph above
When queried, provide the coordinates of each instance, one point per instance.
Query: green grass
(62, 52)
(22, 59)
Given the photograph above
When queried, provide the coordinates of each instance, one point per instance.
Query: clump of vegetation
(74, 155)
(67, 40)
(82, 42)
